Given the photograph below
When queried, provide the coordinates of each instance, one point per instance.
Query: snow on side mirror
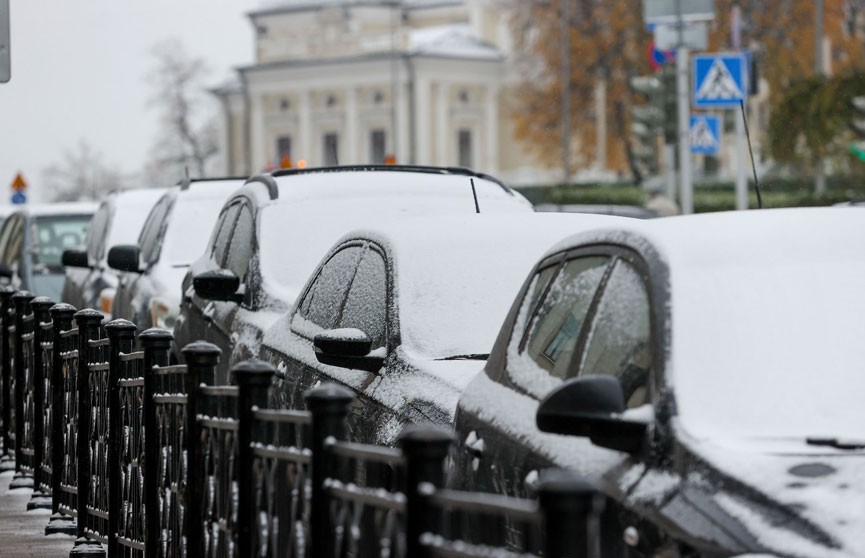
(347, 348)
(592, 407)
(218, 284)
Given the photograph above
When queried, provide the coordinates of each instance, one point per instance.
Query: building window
(330, 101)
(377, 97)
(464, 141)
(283, 151)
(377, 146)
(464, 96)
(331, 157)
(284, 104)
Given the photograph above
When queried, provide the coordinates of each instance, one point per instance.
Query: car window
(553, 334)
(54, 234)
(97, 233)
(12, 251)
(149, 239)
(366, 304)
(323, 302)
(223, 233)
(240, 247)
(619, 341)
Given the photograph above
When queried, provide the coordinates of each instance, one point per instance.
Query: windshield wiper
(475, 356)
(836, 443)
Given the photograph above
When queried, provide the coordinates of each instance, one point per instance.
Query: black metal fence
(142, 458)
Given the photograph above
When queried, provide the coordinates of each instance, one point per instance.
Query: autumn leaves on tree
(608, 44)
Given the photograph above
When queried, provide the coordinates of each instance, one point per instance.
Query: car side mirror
(218, 284)
(6, 271)
(592, 407)
(74, 258)
(347, 348)
(125, 257)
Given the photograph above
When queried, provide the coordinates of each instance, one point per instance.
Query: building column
(491, 128)
(258, 157)
(422, 95)
(442, 129)
(304, 147)
(400, 139)
(351, 126)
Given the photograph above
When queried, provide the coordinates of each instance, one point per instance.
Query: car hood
(817, 490)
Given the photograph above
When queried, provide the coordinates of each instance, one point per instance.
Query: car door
(197, 312)
(323, 307)
(148, 243)
(494, 456)
(222, 329)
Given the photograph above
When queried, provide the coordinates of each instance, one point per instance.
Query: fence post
(61, 316)
(39, 499)
(21, 302)
(121, 335)
(567, 504)
(88, 321)
(425, 448)
(7, 462)
(253, 379)
(156, 344)
(201, 359)
(329, 405)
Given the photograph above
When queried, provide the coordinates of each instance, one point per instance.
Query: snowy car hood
(823, 487)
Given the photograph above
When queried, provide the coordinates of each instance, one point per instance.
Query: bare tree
(82, 175)
(186, 141)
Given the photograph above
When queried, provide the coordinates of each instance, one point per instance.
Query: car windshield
(54, 234)
(771, 351)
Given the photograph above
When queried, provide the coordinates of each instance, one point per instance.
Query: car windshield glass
(770, 350)
(54, 234)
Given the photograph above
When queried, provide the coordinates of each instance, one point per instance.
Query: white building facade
(371, 81)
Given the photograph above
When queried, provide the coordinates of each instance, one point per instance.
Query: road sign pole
(686, 187)
(670, 170)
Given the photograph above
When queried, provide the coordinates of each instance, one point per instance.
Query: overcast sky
(78, 72)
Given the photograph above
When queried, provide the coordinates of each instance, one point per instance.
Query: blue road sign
(720, 80)
(705, 134)
(18, 198)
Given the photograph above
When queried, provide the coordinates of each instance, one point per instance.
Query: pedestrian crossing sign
(720, 80)
(705, 134)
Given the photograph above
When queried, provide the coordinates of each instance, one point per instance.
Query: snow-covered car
(174, 234)
(90, 283)
(705, 371)
(404, 313)
(32, 241)
(273, 232)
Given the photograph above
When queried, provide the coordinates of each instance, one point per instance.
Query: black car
(705, 371)
(90, 283)
(272, 233)
(404, 314)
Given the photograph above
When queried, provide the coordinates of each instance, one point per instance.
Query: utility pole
(686, 186)
(819, 71)
(566, 92)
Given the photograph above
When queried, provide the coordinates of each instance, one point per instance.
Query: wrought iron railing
(154, 460)
(28, 377)
(131, 529)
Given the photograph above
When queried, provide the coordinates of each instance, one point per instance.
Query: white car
(90, 283)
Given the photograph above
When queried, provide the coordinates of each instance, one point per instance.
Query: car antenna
(475, 195)
(753, 166)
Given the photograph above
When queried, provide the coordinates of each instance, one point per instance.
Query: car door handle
(474, 444)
